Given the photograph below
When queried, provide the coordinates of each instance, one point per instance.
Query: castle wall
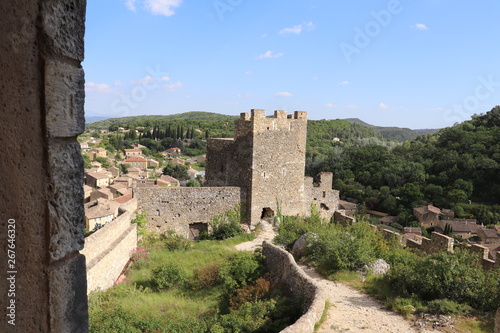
(108, 250)
(281, 264)
(42, 112)
(174, 208)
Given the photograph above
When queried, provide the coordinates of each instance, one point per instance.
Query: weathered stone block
(64, 25)
(66, 213)
(68, 296)
(64, 99)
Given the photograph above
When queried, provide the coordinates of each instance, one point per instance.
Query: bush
(174, 242)
(447, 307)
(226, 225)
(207, 277)
(249, 293)
(239, 270)
(168, 276)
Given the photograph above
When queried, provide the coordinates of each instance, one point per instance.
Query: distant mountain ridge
(389, 133)
(395, 133)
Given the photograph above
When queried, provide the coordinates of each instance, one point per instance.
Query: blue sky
(406, 63)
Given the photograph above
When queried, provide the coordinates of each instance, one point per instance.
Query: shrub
(168, 276)
(239, 270)
(226, 225)
(139, 257)
(249, 293)
(174, 242)
(206, 277)
(447, 307)
(250, 317)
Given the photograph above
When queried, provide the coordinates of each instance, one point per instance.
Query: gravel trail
(350, 310)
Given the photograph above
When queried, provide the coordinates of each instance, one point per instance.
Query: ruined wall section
(278, 163)
(174, 208)
(281, 264)
(322, 195)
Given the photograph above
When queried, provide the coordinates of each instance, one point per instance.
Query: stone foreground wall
(174, 208)
(108, 250)
(42, 113)
(281, 263)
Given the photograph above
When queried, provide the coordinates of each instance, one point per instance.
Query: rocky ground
(350, 310)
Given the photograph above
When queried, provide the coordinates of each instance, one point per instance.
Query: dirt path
(350, 311)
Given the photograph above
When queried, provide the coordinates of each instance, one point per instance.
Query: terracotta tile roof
(133, 150)
(100, 208)
(123, 198)
(98, 175)
(136, 159)
(429, 208)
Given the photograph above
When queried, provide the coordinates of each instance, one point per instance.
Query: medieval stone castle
(261, 168)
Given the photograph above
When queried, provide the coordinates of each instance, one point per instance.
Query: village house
(100, 212)
(174, 151)
(137, 161)
(97, 152)
(98, 179)
(133, 171)
(388, 220)
(84, 146)
(123, 180)
(168, 181)
(87, 190)
(102, 193)
(428, 215)
(153, 163)
(463, 228)
(116, 187)
(192, 173)
(488, 236)
(133, 152)
(115, 172)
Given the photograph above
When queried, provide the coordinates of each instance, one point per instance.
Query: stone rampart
(280, 263)
(108, 250)
(175, 208)
(441, 243)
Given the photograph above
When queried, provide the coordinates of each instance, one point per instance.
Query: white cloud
(344, 83)
(351, 106)
(263, 35)
(173, 86)
(421, 26)
(149, 80)
(330, 105)
(248, 73)
(314, 78)
(297, 29)
(130, 4)
(244, 95)
(269, 54)
(100, 88)
(438, 109)
(283, 94)
(162, 7)
(383, 106)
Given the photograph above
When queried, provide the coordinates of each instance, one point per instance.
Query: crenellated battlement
(256, 122)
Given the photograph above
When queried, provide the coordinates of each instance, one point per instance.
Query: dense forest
(458, 167)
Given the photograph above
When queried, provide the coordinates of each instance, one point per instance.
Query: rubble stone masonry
(175, 208)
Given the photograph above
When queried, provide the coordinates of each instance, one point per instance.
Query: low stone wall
(281, 263)
(437, 243)
(108, 250)
(174, 208)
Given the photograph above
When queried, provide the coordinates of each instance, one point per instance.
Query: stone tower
(266, 159)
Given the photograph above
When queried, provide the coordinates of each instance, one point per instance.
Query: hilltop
(400, 134)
